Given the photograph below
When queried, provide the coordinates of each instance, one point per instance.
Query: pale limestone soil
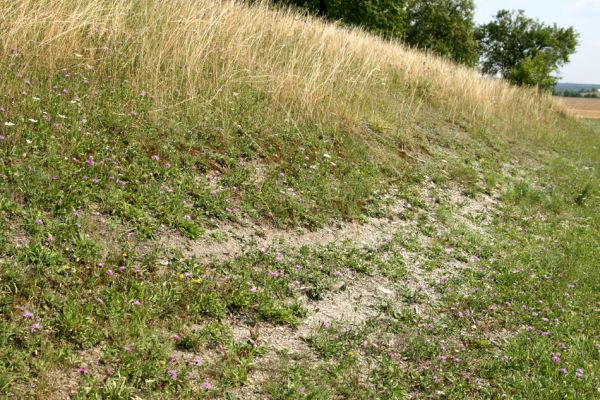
(353, 302)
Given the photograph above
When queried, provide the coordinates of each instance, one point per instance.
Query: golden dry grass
(313, 70)
(582, 107)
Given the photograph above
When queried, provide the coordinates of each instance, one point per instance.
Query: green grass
(594, 123)
(497, 328)
(87, 193)
(493, 331)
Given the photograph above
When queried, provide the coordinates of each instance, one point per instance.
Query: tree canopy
(446, 27)
(383, 17)
(524, 50)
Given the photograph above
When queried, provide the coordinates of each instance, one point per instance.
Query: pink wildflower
(36, 327)
(173, 374)
(197, 361)
(206, 385)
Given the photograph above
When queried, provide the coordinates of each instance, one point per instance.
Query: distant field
(583, 108)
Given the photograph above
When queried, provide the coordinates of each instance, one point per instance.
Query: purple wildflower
(82, 370)
(27, 315)
(36, 327)
(555, 358)
(563, 371)
(155, 158)
(175, 337)
(136, 302)
(579, 373)
(143, 93)
(110, 272)
(206, 385)
(39, 222)
(90, 160)
(173, 374)
(197, 361)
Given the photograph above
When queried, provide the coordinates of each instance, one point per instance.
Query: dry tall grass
(211, 48)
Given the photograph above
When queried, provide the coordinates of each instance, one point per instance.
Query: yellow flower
(197, 280)
(124, 254)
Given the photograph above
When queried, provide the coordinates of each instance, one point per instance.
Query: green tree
(523, 50)
(446, 27)
(382, 17)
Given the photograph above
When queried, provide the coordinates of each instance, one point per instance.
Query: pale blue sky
(584, 15)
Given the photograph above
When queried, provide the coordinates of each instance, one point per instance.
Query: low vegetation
(208, 199)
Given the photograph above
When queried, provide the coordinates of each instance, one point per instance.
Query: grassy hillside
(196, 194)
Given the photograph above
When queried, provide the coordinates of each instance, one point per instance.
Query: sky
(583, 15)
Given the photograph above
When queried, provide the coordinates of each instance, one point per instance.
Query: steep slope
(203, 198)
